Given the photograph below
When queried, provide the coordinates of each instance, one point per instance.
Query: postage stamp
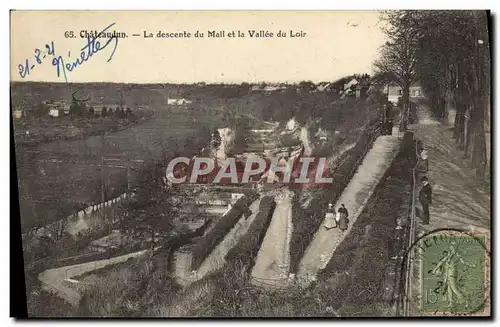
(454, 273)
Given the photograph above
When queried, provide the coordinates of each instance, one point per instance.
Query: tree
(453, 60)
(104, 111)
(74, 108)
(398, 55)
(41, 110)
(306, 87)
(303, 112)
(128, 112)
(241, 134)
(154, 207)
(77, 108)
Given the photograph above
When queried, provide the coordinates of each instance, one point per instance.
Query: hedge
(207, 244)
(245, 251)
(307, 221)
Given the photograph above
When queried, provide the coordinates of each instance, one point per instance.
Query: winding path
(55, 280)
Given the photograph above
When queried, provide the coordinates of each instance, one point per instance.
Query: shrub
(246, 249)
(127, 289)
(206, 244)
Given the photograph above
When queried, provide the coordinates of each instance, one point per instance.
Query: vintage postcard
(251, 163)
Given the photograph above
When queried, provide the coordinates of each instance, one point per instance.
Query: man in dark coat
(425, 197)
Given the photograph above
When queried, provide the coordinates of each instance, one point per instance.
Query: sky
(336, 44)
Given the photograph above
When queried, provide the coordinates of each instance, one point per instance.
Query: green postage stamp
(454, 275)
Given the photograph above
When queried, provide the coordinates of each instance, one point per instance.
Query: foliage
(454, 64)
(449, 53)
(41, 110)
(127, 289)
(154, 207)
(206, 244)
(397, 60)
(241, 135)
(77, 108)
(245, 251)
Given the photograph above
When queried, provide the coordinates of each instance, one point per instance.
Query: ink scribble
(92, 47)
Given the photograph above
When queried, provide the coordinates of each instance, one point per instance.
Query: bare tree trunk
(152, 239)
(459, 131)
(468, 136)
(481, 72)
(461, 107)
(479, 146)
(406, 100)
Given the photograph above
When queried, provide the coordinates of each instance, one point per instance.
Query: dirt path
(458, 199)
(355, 197)
(53, 280)
(273, 259)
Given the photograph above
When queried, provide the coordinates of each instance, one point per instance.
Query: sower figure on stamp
(447, 269)
(425, 198)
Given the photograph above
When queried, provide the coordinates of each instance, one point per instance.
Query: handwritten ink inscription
(65, 65)
(38, 58)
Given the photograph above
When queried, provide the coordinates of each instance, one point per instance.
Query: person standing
(425, 198)
(343, 210)
(342, 219)
(330, 221)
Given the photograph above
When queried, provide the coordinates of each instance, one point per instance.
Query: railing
(411, 239)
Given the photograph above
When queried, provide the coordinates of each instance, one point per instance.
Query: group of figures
(338, 219)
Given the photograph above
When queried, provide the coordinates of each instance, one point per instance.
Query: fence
(411, 239)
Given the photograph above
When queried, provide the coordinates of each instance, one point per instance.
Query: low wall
(89, 218)
(216, 259)
(244, 252)
(208, 243)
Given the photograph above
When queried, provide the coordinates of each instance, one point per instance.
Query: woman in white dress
(330, 221)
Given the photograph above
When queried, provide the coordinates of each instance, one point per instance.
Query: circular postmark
(447, 272)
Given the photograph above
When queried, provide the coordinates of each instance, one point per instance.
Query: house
(178, 102)
(268, 88)
(394, 91)
(61, 107)
(324, 87)
(321, 135)
(291, 124)
(256, 88)
(351, 83)
(18, 113)
(235, 197)
(54, 112)
(353, 86)
(271, 88)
